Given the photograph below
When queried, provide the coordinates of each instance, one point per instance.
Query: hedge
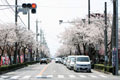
(102, 67)
(6, 68)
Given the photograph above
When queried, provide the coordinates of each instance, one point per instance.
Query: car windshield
(43, 59)
(72, 59)
(83, 59)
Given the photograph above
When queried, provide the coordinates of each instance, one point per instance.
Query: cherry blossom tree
(81, 34)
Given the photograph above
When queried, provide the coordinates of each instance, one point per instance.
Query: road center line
(43, 70)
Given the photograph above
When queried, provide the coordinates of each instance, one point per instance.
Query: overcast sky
(49, 12)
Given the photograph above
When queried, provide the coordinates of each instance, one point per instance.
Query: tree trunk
(30, 54)
(24, 53)
(1, 54)
(15, 54)
(9, 55)
(70, 52)
(79, 51)
(84, 48)
(19, 55)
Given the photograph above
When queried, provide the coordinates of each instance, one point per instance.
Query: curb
(16, 68)
(102, 71)
(3, 72)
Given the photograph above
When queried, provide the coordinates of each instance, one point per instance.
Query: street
(54, 71)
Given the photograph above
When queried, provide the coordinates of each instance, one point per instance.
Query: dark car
(43, 60)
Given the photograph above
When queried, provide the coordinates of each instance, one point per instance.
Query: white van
(82, 63)
(70, 61)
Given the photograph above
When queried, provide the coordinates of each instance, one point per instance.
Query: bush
(102, 67)
(6, 68)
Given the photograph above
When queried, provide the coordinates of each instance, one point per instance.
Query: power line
(4, 8)
(14, 12)
(22, 21)
(9, 5)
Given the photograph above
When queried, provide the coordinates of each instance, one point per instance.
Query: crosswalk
(50, 76)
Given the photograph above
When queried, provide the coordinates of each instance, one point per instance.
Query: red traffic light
(34, 5)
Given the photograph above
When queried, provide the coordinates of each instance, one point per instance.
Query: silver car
(70, 62)
(82, 63)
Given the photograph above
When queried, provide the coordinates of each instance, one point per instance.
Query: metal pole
(115, 38)
(117, 62)
(88, 11)
(37, 39)
(28, 19)
(16, 12)
(29, 29)
(41, 42)
(15, 54)
(105, 34)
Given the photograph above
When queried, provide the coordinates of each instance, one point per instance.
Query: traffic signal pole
(88, 11)
(105, 35)
(15, 53)
(28, 19)
(115, 38)
(16, 12)
(37, 40)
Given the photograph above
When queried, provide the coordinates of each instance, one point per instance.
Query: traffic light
(32, 6)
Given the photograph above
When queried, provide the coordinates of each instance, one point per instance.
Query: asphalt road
(54, 71)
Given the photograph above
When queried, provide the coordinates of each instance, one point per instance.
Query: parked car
(70, 62)
(65, 60)
(58, 60)
(62, 60)
(82, 63)
(43, 60)
(49, 60)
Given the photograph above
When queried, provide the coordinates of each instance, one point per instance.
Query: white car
(70, 61)
(82, 63)
(58, 60)
(65, 60)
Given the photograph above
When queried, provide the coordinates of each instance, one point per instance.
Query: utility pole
(37, 40)
(88, 11)
(37, 34)
(28, 19)
(16, 12)
(15, 53)
(105, 34)
(41, 42)
(115, 38)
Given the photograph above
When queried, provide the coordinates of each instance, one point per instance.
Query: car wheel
(89, 71)
(75, 70)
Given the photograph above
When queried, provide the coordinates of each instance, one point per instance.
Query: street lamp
(60, 21)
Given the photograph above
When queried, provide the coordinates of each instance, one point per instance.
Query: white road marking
(39, 76)
(103, 76)
(49, 76)
(4, 76)
(71, 76)
(82, 76)
(15, 77)
(60, 76)
(26, 77)
(93, 76)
